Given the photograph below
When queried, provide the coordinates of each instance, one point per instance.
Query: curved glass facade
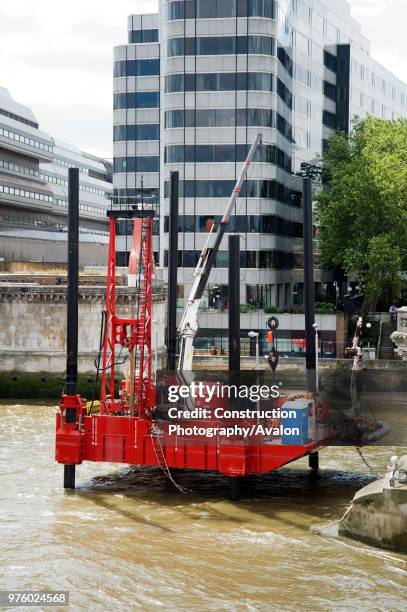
(220, 9)
(221, 81)
(220, 117)
(255, 224)
(227, 117)
(178, 154)
(271, 190)
(221, 45)
(266, 260)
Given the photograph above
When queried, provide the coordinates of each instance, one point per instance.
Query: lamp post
(253, 334)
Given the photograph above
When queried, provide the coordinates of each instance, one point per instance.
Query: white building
(290, 69)
(34, 189)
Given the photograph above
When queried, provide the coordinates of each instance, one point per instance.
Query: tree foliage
(362, 211)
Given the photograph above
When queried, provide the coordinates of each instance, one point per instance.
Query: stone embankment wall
(378, 516)
(33, 326)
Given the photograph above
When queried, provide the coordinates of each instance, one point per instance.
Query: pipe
(172, 272)
(309, 292)
(234, 303)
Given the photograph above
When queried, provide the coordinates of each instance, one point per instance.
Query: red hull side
(127, 440)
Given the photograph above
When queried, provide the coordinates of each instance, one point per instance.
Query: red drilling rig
(122, 427)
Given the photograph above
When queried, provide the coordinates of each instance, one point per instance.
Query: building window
(150, 195)
(189, 259)
(221, 45)
(330, 91)
(220, 9)
(143, 36)
(24, 193)
(142, 67)
(224, 81)
(178, 154)
(148, 131)
(137, 164)
(31, 142)
(139, 99)
(18, 118)
(18, 169)
(259, 295)
(272, 190)
(254, 224)
(218, 297)
(329, 119)
(285, 60)
(330, 61)
(284, 93)
(122, 259)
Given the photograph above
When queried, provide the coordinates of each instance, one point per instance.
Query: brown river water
(126, 539)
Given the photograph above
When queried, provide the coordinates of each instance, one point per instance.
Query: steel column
(71, 378)
(234, 303)
(172, 272)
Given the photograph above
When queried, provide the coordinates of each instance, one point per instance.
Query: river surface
(126, 539)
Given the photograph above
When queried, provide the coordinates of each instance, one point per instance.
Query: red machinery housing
(121, 427)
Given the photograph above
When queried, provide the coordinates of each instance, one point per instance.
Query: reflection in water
(127, 538)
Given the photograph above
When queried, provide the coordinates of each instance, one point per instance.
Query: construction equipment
(125, 426)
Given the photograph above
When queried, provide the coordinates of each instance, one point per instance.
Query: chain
(165, 468)
(366, 462)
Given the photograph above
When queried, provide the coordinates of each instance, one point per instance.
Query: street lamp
(253, 334)
(315, 326)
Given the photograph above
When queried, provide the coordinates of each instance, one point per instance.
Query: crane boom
(189, 322)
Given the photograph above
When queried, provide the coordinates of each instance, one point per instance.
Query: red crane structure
(137, 394)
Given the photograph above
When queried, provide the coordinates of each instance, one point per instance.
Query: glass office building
(193, 87)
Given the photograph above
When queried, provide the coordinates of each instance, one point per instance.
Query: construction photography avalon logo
(203, 305)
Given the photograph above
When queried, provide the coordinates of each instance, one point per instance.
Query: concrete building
(291, 69)
(34, 190)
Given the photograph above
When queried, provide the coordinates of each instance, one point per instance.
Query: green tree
(362, 211)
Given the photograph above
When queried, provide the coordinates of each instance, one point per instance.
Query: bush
(244, 308)
(271, 310)
(324, 307)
